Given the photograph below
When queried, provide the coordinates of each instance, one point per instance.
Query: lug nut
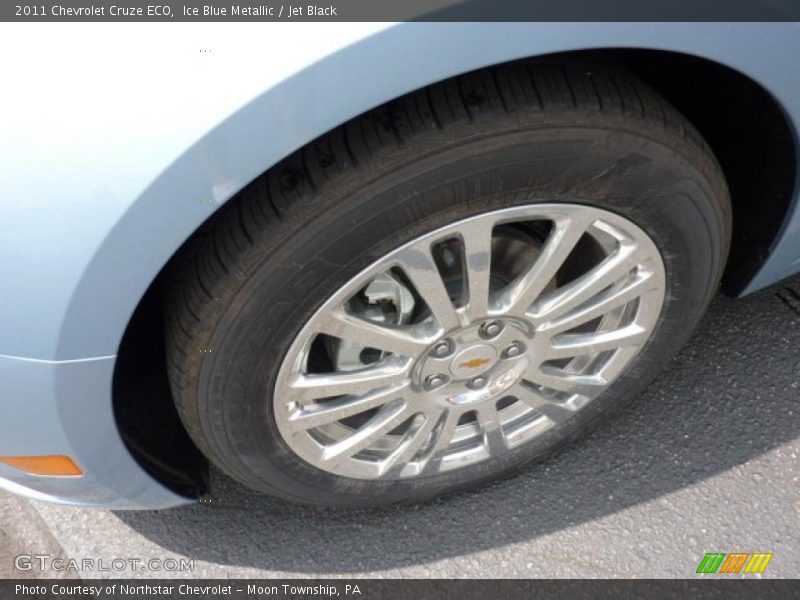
(435, 381)
(491, 328)
(477, 382)
(441, 349)
(514, 349)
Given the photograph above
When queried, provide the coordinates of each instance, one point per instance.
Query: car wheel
(447, 288)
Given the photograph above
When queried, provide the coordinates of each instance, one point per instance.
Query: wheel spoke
(602, 303)
(418, 264)
(477, 239)
(568, 345)
(337, 409)
(327, 385)
(397, 340)
(412, 441)
(493, 437)
(552, 409)
(575, 293)
(443, 435)
(567, 232)
(563, 381)
(387, 418)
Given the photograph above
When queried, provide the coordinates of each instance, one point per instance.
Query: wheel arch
(376, 70)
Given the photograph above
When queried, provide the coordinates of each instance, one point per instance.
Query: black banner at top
(400, 10)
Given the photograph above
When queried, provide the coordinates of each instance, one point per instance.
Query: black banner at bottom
(376, 589)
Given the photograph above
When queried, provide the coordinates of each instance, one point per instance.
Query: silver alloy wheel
(481, 364)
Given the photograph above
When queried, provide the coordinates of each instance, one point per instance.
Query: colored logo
(734, 562)
(474, 363)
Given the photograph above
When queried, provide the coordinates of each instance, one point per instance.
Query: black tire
(518, 134)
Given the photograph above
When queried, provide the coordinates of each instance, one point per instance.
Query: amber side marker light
(58, 465)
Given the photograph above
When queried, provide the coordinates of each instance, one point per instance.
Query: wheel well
(750, 136)
(744, 125)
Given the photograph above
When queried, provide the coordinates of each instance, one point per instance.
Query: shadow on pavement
(730, 395)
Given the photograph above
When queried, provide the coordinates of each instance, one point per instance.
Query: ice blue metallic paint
(60, 329)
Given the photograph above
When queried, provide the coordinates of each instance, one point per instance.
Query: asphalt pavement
(706, 460)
